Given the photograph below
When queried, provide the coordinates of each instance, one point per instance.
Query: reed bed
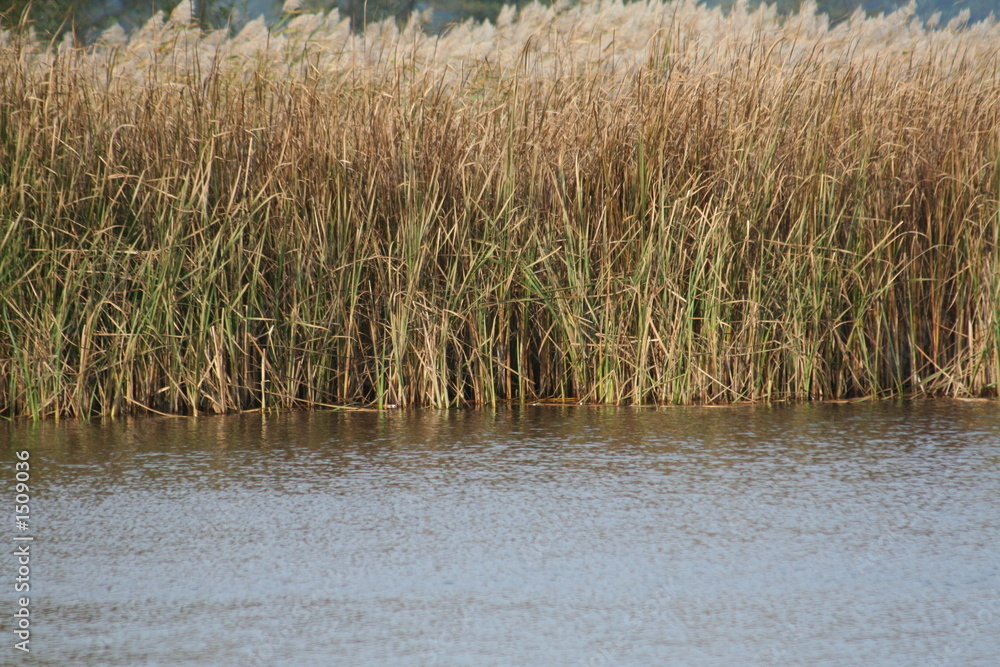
(649, 203)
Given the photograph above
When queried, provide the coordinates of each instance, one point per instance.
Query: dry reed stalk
(643, 203)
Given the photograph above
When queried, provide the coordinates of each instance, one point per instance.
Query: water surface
(814, 534)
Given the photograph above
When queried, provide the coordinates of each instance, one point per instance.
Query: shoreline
(553, 403)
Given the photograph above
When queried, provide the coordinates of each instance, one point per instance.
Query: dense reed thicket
(649, 203)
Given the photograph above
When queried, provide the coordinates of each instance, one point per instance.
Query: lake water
(828, 534)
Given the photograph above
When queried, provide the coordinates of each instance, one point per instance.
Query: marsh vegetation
(643, 203)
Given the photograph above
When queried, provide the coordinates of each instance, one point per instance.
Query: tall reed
(642, 203)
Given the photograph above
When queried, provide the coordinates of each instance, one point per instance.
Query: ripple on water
(815, 534)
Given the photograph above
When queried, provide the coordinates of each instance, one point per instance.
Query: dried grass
(642, 203)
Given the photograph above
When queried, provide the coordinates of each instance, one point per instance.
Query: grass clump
(642, 203)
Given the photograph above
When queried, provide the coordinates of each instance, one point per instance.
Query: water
(813, 535)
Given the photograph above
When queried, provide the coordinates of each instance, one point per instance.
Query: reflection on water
(814, 534)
